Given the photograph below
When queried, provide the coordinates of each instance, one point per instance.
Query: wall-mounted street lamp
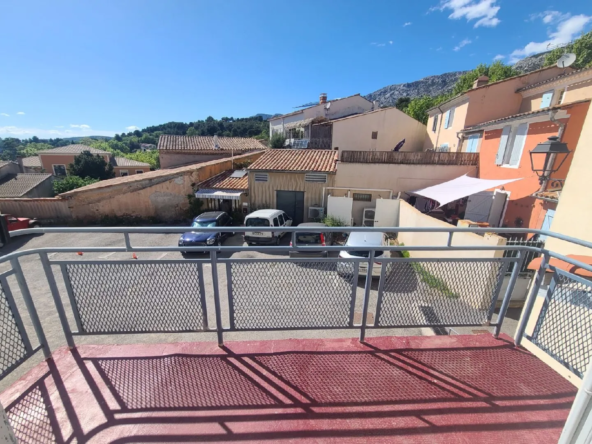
(553, 152)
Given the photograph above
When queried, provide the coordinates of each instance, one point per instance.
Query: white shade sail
(458, 188)
(218, 194)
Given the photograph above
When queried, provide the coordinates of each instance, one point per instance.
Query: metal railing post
(367, 287)
(128, 244)
(450, 234)
(20, 278)
(53, 288)
(509, 291)
(580, 415)
(538, 280)
(214, 261)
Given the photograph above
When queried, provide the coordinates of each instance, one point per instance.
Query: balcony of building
(411, 157)
(118, 343)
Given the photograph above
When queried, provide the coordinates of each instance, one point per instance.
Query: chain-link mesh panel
(291, 294)
(137, 297)
(29, 417)
(564, 325)
(11, 337)
(425, 293)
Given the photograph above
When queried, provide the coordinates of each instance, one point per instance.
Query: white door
(387, 213)
(340, 208)
(497, 208)
(479, 206)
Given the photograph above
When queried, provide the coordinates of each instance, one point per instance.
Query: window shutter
(451, 119)
(435, 124)
(499, 158)
(473, 142)
(518, 145)
(446, 118)
(546, 101)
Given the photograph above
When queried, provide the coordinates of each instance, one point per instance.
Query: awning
(458, 188)
(298, 124)
(218, 194)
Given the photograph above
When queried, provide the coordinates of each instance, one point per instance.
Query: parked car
(312, 240)
(266, 218)
(19, 223)
(196, 238)
(362, 240)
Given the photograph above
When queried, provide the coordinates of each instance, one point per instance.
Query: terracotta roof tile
(125, 162)
(3, 163)
(223, 181)
(22, 184)
(32, 162)
(168, 142)
(73, 149)
(526, 114)
(296, 160)
(312, 106)
(552, 79)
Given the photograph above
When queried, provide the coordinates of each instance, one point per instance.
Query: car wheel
(219, 243)
(278, 241)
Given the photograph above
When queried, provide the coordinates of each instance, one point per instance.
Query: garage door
(292, 203)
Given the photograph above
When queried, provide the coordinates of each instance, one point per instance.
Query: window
(546, 100)
(124, 173)
(363, 197)
(276, 222)
(511, 145)
(261, 177)
(281, 218)
(375, 134)
(315, 177)
(139, 171)
(435, 123)
(59, 170)
(449, 118)
(473, 143)
(444, 148)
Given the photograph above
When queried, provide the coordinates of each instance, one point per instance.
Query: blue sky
(70, 68)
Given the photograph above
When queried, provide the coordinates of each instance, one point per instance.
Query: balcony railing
(411, 158)
(119, 297)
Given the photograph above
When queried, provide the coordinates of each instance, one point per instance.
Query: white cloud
(132, 128)
(14, 131)
(407, 24)
(549, 17)
(60, 126)
(499, 57)
(484, 11)
(463, 42)
(390, 42)
(567, 29)
(83, 126)
(4, 114)
(20, 113)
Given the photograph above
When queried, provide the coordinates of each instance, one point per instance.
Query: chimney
(322, 98)
(482, 80)
(19, 160)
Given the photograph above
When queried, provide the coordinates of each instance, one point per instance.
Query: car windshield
(308, 238)
(359, 253)
(257, 222)
(203, 224)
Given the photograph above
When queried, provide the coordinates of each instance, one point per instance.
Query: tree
(89, 165)
(191, 131)
(496, 71)
(402, 103)
(581, 47)
(419, 106)
(9, 148)
(277, 140)
(71, 183)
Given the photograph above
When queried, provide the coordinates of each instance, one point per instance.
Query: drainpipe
(460, 138)
(559, 135)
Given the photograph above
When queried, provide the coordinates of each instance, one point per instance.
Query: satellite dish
(328, 105)
(565, 60)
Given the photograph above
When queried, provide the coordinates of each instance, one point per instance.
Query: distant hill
(439, 84)
(78, 139)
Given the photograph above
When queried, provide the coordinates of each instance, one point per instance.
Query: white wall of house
(389, 126)
(338, 108)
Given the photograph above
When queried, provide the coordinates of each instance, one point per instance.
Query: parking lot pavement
(44, 303)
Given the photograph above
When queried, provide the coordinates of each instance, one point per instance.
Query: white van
(266, 218)
(363, 240)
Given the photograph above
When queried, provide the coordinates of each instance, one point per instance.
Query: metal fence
(285, 293)
(529, 255)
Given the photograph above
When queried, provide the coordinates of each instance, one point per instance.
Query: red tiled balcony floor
(439, 389)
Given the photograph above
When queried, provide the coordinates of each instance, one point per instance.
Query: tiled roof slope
(22, 184)
(552, 79)
(223, 181)
(125, 162)
(73, 149)
(297, 160)
(168, 142)
(32, 162)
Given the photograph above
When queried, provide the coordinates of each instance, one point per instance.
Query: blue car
(196, 238)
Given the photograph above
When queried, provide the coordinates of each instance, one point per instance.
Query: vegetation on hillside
(581, 47)
(70, 183)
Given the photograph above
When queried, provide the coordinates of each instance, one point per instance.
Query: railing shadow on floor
(372, 385)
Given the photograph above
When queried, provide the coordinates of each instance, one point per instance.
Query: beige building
(292, 181)
(175, 151)
(378, 130)
(485, 102)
